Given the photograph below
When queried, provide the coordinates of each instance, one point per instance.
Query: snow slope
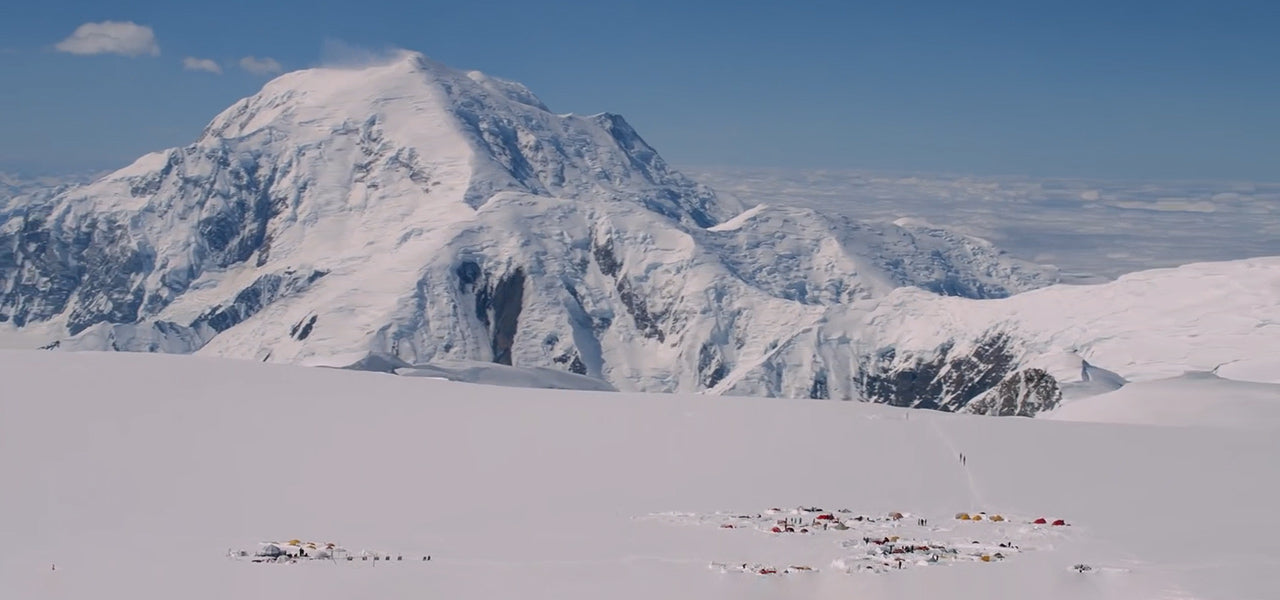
(133, 474)
(1195, 399)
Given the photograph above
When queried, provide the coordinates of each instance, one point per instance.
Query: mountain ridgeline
(420, 213)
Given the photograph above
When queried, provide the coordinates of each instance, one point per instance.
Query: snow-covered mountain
(1023, 354)
(422, 213)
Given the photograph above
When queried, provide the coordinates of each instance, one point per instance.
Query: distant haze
(1092, 230)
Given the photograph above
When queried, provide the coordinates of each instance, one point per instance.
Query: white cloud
(260, 66)
(192, 63)
(111, 37)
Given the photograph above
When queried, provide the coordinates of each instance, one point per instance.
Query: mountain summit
(420, 213)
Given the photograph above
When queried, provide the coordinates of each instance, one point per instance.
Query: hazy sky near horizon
(1137, 89)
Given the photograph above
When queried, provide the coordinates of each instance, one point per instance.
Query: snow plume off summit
(422, 214)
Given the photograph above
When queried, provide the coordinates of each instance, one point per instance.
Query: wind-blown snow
(132, 475)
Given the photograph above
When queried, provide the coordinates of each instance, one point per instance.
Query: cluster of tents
(289, 552)
(823, 521)
(964, 516)
(293, 551)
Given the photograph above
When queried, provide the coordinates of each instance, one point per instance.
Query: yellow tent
(294, 542)
(997, 518)
(986, 558)
(977, 517)
(964, 516)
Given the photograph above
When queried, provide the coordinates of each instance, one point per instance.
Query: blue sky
(1119, 89)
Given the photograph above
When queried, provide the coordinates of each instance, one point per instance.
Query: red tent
(776, 530)
(1059, 523)
(825, 517)
(1040, 521)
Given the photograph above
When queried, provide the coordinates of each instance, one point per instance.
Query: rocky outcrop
(1021, 394)
(263, 291)
(948, 379)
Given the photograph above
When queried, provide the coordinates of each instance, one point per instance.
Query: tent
(977, 517)
(270, 550)
(997, 518)
(895, 515)
(1059, 523)
(1040, 521)
(964, 516)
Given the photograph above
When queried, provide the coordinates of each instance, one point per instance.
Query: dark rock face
(608, 262)
(819, 390)
(94, 266)
(507, 302)
(947, 381)
(263, 291)
(572, 361)
(646, 322)
(1021, 394)
(711, 366)
(302, 329)
(498, 303)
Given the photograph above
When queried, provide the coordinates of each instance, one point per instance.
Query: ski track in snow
(976, 499)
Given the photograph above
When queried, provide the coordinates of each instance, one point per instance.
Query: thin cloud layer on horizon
(125, 38)
(261, 66)
(192, 63)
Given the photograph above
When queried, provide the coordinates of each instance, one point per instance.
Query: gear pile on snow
(295, 550)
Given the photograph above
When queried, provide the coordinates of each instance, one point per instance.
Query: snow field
(882, 544)
(134, 474)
